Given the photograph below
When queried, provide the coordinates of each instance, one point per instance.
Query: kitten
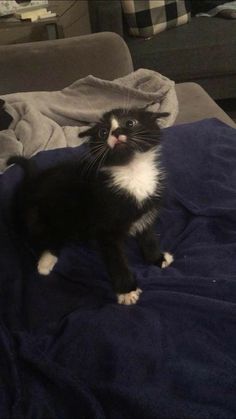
(112, 193)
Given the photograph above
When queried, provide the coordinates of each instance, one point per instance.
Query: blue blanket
(69, 351)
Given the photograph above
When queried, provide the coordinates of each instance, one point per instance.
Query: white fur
(46, 263)
(143, 222)
(111, 141)
(168, 260)
(114, 124)
(129, 298)
(140, 177)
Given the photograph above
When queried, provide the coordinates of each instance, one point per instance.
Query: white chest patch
(140, 177)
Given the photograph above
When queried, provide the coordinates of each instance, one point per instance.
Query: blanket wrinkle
(49, 120)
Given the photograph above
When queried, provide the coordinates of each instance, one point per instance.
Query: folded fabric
(227, 9)
(48, 120)
(68, 350)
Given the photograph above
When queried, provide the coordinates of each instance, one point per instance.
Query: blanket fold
(49, 120)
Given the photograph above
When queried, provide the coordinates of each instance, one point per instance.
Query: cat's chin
(120, 155)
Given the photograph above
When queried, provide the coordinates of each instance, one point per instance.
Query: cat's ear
(155, 115)
(2, 103)
(86, 133)
(160, 115)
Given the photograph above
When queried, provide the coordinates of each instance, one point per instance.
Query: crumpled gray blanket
(49, 120)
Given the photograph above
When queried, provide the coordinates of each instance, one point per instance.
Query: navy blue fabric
(68, 350)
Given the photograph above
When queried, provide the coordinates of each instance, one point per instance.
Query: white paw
(168, 260)
(129, 298)
(46, 263)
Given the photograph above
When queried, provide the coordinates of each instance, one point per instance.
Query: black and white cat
(112, 193)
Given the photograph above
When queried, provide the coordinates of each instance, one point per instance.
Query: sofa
(53, 65)
(68, 350)
(202, 51)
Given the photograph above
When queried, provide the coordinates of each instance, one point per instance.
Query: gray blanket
(48, 120)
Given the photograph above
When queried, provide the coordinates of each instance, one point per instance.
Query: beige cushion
(147, 18)
(195, 104)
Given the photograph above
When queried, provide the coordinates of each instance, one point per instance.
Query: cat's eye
(131, 123)
(103, 133)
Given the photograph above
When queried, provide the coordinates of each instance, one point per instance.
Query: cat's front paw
(129, 298)
(167, 260)
(46, 263)
(159, 260)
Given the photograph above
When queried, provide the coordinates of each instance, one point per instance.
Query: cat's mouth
(118, 141)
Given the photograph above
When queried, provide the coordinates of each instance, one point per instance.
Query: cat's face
(120, 133)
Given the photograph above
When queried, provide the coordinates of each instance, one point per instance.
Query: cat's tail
(26, 164)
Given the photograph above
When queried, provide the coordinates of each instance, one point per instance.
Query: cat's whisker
(93, 162)
(125, 111)
(123, 107)
(88, 158)
(139, 130)
(137, 140)
(133, 142)
(95, 149)
(96, 142)
(88, 166)
(100, 153)
(88, 153)
(143, 140)
(102, 159)
(85, 154)
(145, 137)
(141, 135)
(127, 102)
(86, 169)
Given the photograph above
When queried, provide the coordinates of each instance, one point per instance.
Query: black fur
(76, 200)
(5, 117)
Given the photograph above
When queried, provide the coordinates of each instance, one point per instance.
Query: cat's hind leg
(150, 247)
(46, 262)
(129, 298)
(168, 260)
(123, 282)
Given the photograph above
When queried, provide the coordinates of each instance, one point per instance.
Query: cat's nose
(118, 133)
(113, 140)
(122, 138)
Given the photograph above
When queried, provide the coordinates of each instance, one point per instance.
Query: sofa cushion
(53, 65)
(146, 18)
(195, 104)
(206, 47)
